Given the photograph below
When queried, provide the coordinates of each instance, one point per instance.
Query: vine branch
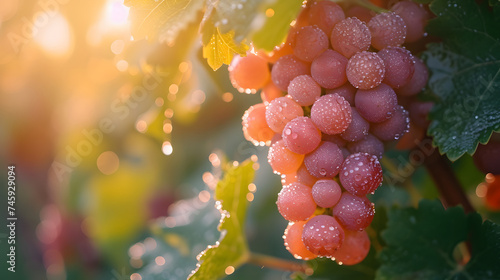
(450, 189)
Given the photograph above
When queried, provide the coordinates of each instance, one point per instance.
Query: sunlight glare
(55, 37)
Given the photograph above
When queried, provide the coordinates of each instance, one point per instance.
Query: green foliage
(276, 27)
(231, 249)
(179, 238)
(161, 19)
(225, 25)
(465, 75)
(421, 244)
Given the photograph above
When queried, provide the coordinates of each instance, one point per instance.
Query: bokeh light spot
(229, 270)
(227, 97)
(160, 260)
(108, 162)
(204, 196)
(167, 148)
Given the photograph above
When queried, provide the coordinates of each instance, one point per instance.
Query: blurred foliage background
(107, 133)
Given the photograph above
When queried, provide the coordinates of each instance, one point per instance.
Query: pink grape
(325, 14)
(417, 81)
(326, 193)
(354, 249)
(354, 212)
(361, 174)
(286, 69)
(328, 69)
(282, 160)
(304, 90)
(331, 113)
(347, 91)
(393, 128)
(350, 36)
(293, 241)
(280, 111)
(295, 202)
(415, 17)
(399, 66)
(249, 73)
(255, 128)
(376, 104)
(357, 129)
(301, 136)
(325, 161)
(370, 144)
(388, 30)
(323, 235)
(365, 70)
(309, 42)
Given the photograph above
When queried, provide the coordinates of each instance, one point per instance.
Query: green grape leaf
(177, 239)
(219, 48)
(232, 248)
(421, 244)
(233, 15)
(464, 74)
(163, 19)
(276, 27)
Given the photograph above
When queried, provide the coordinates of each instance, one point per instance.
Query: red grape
(323, 235)
(325, 161)
(331, 113)
(326, 193)
(328, 69)
(361, 174)
(365, 70)
(280, 111)
(354, 212)
(301, 135)
(295, 202)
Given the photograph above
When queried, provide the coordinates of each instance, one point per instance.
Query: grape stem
(450, 189)
(277, 263)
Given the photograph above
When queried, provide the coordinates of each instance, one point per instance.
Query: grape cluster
(344, 71)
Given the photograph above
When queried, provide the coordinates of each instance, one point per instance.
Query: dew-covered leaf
(464, 74)
(421, 244)
(231, 249)
(176, 240)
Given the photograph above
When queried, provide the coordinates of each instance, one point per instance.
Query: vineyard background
(111, 135)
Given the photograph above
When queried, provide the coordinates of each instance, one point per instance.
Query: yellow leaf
(221, 48)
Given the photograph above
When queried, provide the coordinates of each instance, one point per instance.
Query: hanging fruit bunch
(341, 86)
